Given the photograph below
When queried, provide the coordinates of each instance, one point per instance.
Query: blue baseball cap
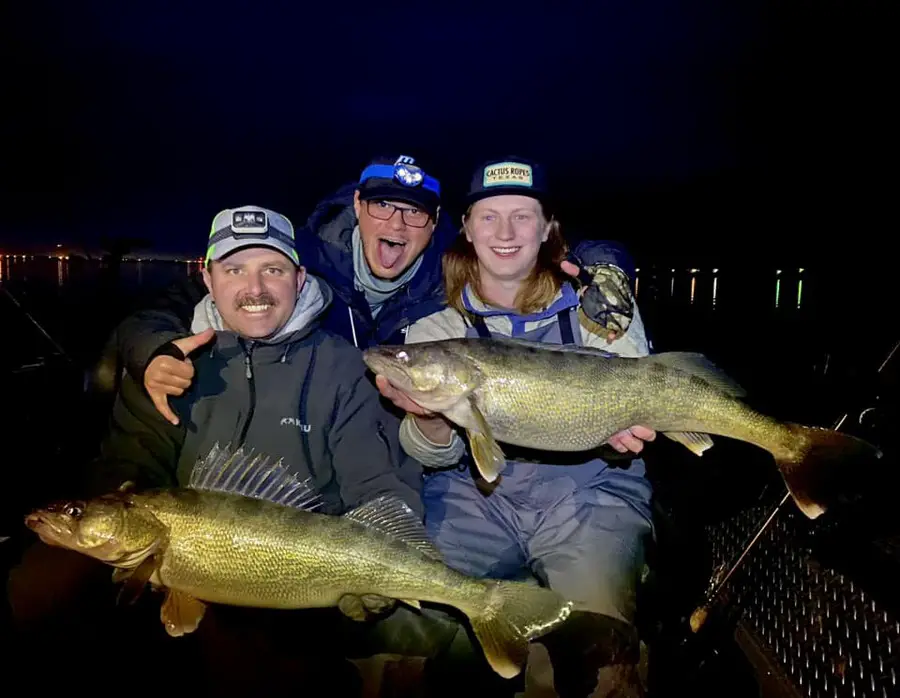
(400, 179)
(234, 229)
(509, 175)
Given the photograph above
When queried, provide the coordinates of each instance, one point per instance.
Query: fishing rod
(31, 318)
(723, 573)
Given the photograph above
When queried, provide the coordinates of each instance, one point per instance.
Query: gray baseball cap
(250, 226)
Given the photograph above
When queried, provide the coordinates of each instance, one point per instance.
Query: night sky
(711, 130)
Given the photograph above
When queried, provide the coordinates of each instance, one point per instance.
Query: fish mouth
(386, 362)
(51, 529)
(381, 361)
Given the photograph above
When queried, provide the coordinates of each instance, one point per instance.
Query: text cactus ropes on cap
(506, 173)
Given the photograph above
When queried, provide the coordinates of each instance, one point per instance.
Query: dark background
(710, 132)
(744, 137)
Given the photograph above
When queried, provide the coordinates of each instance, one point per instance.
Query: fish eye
(75, 510)
(403, 356)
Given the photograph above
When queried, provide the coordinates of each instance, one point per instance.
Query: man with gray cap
(266, 377)
(269, 378)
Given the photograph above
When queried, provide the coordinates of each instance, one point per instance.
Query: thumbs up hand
(168, 375)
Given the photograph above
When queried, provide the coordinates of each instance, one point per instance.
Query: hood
(332, 223)
(314, 299)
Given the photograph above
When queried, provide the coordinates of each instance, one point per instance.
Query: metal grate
(828, 636)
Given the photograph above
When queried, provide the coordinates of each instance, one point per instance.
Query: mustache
(261, 299)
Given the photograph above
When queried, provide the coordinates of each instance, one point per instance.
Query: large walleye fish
(243, 533)
(557, 398)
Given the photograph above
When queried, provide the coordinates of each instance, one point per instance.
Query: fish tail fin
(515, 614)
(816, 469)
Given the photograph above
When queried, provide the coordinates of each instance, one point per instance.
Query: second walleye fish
(557, 398)
(243, 533)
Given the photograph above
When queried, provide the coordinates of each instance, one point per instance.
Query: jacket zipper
(248, 371)
(304, 397)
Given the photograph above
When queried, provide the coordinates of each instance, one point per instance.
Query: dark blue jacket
(326, 248)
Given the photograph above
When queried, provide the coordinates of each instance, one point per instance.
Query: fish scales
(572, 401)
(247, 552)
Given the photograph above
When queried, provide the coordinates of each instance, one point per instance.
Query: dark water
(78, 301)
(775, 329)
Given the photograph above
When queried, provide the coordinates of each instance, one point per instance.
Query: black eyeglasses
(383, 211)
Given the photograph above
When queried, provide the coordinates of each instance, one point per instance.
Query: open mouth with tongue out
(390, 251)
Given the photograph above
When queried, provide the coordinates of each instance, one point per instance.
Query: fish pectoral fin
(488, 456)
(181, 613)
(413, 602)
(120, 574)
(361, 608)
(134, 580)
(352, 606)
(377, 603)
(693, 441)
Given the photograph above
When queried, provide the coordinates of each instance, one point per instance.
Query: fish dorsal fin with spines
(255, 476)
(394, 518)
(700, 366)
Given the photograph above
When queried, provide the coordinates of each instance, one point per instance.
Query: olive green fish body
(560, 399)
(571, 401)
(228, 549)
(244, 533)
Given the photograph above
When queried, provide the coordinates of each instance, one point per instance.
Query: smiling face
(390, 237)
(507, 233)
(255, 290)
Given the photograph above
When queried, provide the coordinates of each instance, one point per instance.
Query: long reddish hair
(460, 267)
